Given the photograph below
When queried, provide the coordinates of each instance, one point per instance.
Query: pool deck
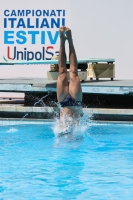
(12, 122)
(23, 109)
(101, 86)
(22, 85)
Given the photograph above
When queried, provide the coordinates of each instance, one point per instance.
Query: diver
(69, 93)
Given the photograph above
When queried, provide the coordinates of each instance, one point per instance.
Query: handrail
(44, 62)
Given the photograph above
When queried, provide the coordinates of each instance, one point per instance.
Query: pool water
(98, 165)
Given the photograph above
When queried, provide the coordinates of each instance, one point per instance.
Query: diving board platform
(41, 85)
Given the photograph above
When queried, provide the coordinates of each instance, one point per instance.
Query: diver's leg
(74, 87)
(62, 81)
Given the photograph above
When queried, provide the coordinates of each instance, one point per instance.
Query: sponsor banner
(29, 31)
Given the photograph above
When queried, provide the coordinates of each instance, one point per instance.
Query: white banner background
(100, 29)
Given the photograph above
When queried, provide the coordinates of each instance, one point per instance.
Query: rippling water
(98, 165)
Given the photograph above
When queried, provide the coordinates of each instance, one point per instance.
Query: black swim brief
(69, 101)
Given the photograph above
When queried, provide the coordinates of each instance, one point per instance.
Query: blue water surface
(98, 165)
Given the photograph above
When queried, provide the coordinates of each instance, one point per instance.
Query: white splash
(72, 130)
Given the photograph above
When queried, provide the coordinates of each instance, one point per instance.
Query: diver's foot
(68, 33)
(62, 33)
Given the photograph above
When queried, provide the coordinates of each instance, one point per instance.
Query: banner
(29, 30)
